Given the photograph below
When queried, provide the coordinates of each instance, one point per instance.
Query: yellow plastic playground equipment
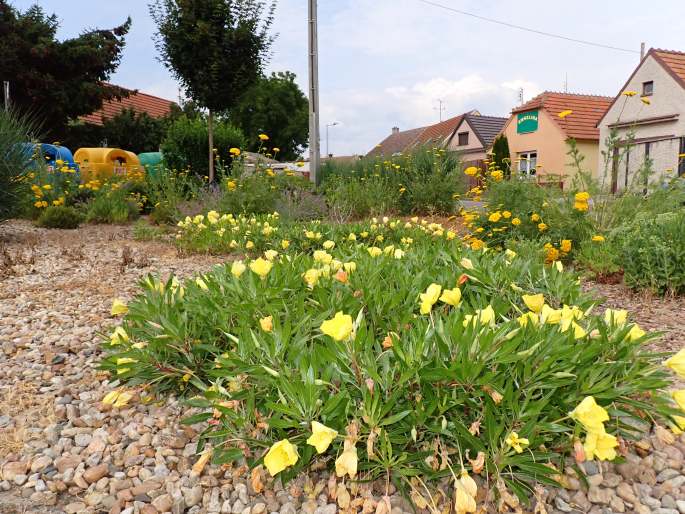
(103, 163)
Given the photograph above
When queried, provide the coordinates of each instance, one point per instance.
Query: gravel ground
(62, 450)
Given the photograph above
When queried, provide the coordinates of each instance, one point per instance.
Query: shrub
(112, 205)
(14, 129)
(412, 382)
(60, 216)
(142, 231)
(652, 253)
(185, 146)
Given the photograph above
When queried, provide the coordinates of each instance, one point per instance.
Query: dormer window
(463, 138)
(648, 88)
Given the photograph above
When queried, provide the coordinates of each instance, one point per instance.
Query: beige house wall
(473, 151)
(668, 99)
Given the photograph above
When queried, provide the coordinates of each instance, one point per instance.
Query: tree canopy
(275, 106)
(57, 80)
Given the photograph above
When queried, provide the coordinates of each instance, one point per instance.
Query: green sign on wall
(527, 122)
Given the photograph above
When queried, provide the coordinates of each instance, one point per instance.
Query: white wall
(668, 99)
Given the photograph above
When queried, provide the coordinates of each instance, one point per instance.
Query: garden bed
(79, 455)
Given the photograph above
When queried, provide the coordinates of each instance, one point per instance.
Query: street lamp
(329, 125)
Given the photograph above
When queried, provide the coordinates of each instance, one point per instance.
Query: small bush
(112, 206)
(185, 146)
(60, 217)
(142, 231)
(14, 160)
(652, 253)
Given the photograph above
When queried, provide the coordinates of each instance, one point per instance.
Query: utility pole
(642, 51)
(566, 83)
(6, 90)
(520, 96)
(314, 151)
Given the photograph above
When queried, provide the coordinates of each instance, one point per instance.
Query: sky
(385, 63)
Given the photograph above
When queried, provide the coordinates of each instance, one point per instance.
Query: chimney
(396, 130)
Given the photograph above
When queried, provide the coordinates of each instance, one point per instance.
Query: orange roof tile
(586, 111)
(439, 132)
(673, 61)
(140, 102)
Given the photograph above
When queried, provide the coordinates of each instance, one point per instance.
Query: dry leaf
(478, 463)
(496, 397)
(474, 429)
(507, 500)
(578, 451)
(370, 441)
(256, 479)
(384, 506)
(418, 499)
(199, 466)
(343, 497)
(332, 487)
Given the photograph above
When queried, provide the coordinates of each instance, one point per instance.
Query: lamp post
(314, 148)
(329, 125)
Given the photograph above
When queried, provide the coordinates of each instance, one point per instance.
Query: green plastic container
(151, 161)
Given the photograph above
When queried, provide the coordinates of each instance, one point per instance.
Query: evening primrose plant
(438, 362)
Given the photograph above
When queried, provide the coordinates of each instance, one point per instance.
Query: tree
(275, 106)
(215, 48)
(135, 132)
(500, 154)
(57, 80)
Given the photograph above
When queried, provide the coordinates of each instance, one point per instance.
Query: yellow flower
(646, 100)
(398, 253)
(249, 245)
(601, 445)
(346, 463)
(213, 217)
(234, 151)
(47, 187)
(201, 284)
(464, 503)
(430, 297)
(677, 363)
(630, 93)
(583, 196)
(311, 277)
(565, 113)
(328, 245)
(118, 307)
(542, 227)
(566, 245)
(471, 171)
(516, 222)
(349, 267)
(267, 323)
(323, 256)
(534, 302)
(466, 263)
(495, 217)
(119, 336)
(590, 415)
(263, 137)
(549, 315)
(321, 437)
(374, 251)
(598, 239)
(261, 267)
(635, 332)
(280, 456)
(237, 268)
(285, 244)
(451, 296)
(516, 442)
(270, 255)
(528, 317)
(111, 397)
(339, 327)
(581, 206)
(535, 217)
(679, 397)
(616, 317)
(117, 398)
(124, 360)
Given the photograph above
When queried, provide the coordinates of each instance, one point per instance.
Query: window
(463, 138)
(648, 88)
(528, 162)
(681, 158)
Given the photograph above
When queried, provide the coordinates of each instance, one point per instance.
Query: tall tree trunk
(210, 132)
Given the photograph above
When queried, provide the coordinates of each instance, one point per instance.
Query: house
(539, 131)
(402, 141)
(473, 137)
(647, 121)
(154, 106)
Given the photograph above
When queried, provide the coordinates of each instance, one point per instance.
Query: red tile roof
(440, 131)
(140, 102)
(396, 142)
(586, 111)
(673, 61)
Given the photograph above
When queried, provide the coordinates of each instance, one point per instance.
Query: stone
(20, 479)
(680, 505)
(288, 508)
(330, 508)
(12, 469)
(40, 464)
(193, 495)
(617, 504)
(75, 508)
(95, 473)
(259, 508)
(82, 439)
(599, 495)
(625, 492)
(163, 503)
(667, 474)
(148, 509)
(238, 507)
(67, 462)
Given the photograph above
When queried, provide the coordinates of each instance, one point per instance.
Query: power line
(527, 29)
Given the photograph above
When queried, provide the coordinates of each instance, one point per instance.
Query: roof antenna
(441, 107)
(520, 96)
(566, 83)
